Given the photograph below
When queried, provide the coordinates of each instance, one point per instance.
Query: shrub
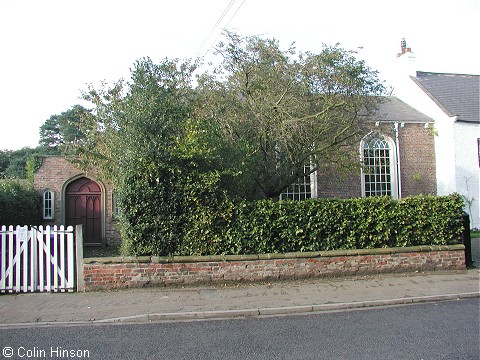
(202, 221)
(324, 224)
(184, 215)
(19, 205)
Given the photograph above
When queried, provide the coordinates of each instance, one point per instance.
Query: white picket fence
(37, 259)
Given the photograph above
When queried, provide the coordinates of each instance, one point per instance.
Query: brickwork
(417, 159)
(338, 185)
(54, 174)
(417, 165)
(115, 273)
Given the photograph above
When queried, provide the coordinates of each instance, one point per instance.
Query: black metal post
(466, 240)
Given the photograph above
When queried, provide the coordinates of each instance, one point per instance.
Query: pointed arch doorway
(84, 206)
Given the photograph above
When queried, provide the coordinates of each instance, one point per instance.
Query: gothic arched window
(379, 166)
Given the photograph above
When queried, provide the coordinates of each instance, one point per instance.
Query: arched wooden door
(84, 206)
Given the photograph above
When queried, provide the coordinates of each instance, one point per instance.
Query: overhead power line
(219, 20)
(223, 15)
(215, 27)
(235, 13)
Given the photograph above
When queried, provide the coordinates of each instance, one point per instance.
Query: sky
(50, 50)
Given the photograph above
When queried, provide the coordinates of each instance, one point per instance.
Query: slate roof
(456, 94)
(393, 109)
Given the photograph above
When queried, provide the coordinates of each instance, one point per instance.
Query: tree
(57, 135)
(4, 161)
(281, 109)
(59, 132)
(140, 137)
(137, 123)
(175, 154)
(13, 163)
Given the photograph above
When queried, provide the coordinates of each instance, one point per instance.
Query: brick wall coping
(254, 257)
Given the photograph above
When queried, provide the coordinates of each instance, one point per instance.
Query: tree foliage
(59, 132)
(140, 136)
(13, 162)
(177, 154)
(281, 109)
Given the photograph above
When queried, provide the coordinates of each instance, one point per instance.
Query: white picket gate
(37, 259)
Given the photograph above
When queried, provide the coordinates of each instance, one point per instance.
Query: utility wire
(226, 26)
(236, 11)
(223, 14)
(219, 20)
(217, 24)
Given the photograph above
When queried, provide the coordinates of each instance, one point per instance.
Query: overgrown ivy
(33, 164)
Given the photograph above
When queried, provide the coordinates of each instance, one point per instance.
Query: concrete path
(476, 252)
(286, 297)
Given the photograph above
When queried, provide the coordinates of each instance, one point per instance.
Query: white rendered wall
(467, 168)
(445, 154)
(409, 92)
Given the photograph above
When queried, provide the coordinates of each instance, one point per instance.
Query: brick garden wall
(115, 273)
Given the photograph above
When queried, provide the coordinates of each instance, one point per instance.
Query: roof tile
(456, 94)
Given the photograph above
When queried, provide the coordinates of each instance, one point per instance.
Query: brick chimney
(404, 67)
(404, 48)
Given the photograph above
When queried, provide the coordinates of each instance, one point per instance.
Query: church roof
(393, 109)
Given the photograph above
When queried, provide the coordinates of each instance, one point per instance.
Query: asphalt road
(444, 330)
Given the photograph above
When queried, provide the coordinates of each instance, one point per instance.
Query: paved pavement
(285, 297)
(476, 252)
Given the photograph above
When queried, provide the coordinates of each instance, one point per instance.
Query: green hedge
(19, 204)
(214, 225)
(331, 224)
(324, 224)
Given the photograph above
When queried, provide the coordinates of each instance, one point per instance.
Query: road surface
(443, 330)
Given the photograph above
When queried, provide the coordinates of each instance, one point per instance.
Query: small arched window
(379, 166)
(48, 204)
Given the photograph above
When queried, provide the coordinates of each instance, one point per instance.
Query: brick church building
(398, 154)
(71, 197)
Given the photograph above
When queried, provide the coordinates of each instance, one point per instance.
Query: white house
(452, 100)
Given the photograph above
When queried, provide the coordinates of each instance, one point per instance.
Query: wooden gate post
(79, 256)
